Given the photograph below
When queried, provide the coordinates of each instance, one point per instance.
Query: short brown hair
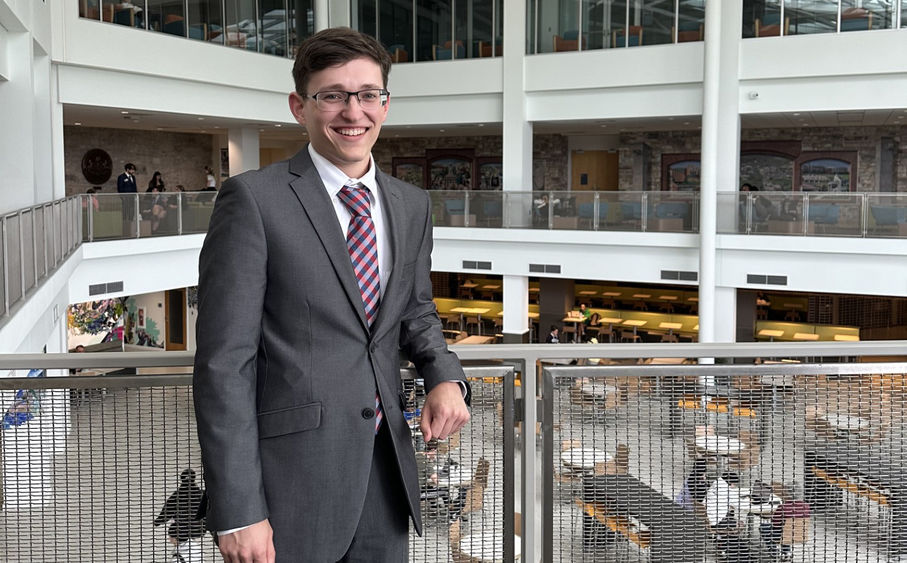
(336, 46)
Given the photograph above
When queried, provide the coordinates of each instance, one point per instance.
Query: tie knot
(355, 197)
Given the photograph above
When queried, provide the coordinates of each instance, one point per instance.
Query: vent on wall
(475, 265)
(764, 279)
(679, 275)
(102, 288)
(545, 268)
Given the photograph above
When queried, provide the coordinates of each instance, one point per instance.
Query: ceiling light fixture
(125, 112)
(77, 123)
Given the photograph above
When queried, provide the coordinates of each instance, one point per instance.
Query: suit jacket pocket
(289, 420)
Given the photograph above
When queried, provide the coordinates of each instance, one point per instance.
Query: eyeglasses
(333, 100)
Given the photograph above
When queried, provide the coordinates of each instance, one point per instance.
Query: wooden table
(584, 459)
(670, 533)
(720, 445)
(475, 339)
(478, 311)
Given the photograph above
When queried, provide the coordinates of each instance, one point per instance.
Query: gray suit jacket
(287, 366)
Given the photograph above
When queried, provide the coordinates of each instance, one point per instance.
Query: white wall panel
(616, 103)
(615, 68)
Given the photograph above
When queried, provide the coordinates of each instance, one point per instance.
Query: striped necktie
(362, 243)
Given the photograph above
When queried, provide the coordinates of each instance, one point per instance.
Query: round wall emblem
(97, 166)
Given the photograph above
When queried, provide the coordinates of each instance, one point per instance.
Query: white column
(323, 14)
(720, 146)
(517, 132)
(516, 308)
(726, 323)
(242, 146)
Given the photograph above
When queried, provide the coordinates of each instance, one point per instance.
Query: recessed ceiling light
(125, 112)
(77, 123)
(261, 130)
(203, 131)
(796, 113)
(481, 125)
(686, 122)
(278, 125)
(201, 118)
(160, 128)
(603, 126)
(670, 119)
(441, 130)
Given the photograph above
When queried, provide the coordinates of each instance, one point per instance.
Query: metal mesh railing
(467, 482)
(725, 463)
(89, 460)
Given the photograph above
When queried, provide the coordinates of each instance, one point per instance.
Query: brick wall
(180, 157)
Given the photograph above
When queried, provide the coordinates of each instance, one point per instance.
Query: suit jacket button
(368, 413)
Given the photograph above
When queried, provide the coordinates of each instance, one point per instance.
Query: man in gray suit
(314, 274)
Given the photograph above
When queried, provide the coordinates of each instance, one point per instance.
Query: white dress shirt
(334, 180)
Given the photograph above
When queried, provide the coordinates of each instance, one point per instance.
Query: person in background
(156, 181)
(210, 181)
(771, 531)
(91, 197)
(126, 185)
(182, 508)
(695, 486)
(553, 336)
(587, 315)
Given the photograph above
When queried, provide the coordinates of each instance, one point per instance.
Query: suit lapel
(392, 203)
(320, 211)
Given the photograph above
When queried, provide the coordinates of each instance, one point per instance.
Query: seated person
(721, 500)
(790, 508)
(695, 486)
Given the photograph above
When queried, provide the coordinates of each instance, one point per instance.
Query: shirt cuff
(230, 531)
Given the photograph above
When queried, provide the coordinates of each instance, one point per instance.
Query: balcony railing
(33, 242)
(91, 456)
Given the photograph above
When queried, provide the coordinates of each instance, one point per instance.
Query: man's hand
(250, 545)
(444, 411)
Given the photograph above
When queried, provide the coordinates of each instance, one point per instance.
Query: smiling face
(345, 137)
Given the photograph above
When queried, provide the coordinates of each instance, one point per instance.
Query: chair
(856, 19)
(568, 42)
(620, 465)
(174, 25)
(635, 34)
(398, 53)
(770, 25)
(446, 52)
(795, 531)
(124, 17)
(689, 31)
(198, 31)
(473, 320)
(484, 48)
(669, 338)
(454, 535)
(627, 335)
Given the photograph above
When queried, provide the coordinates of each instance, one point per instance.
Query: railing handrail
(506, 352)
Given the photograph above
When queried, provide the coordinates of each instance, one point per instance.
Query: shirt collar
(334, 179)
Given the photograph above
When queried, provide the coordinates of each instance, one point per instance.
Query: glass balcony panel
(41, 234)
(690, 21)
(167, 16)
(301, 22)
(810, 16)
(396, 29)
(531, 27)
(2, 286)
(57, 234)
(672, 212)
(857, 15)
(197, 208)
(131, 14)
(240, 30)
(452, 208)
(595, 16)
(206, 20)
(13, 258)
(90, 9)
(785, 213)
(433, 32)
(903, 13)
(28, 247)
(886, 216)
(365, 13)
(656, 22)
(482, 27)
(762, 18)
(835, 214)
(272, 28)
(488, 208)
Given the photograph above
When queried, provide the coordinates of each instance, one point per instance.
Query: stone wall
(549, 154)
(180, 157)
(864, 140)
